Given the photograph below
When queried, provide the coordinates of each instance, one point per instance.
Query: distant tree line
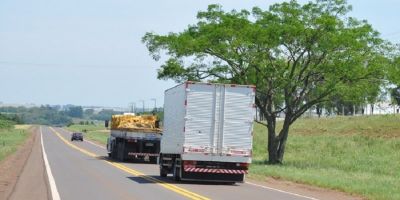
(53, 115)
(46, 115)
(7, 121)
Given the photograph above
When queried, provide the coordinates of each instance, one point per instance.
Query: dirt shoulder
(304, 190)
(25, 175)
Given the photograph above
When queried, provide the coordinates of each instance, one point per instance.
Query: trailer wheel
(114, 152)
(177, 170)
(176, 173)
(163, 172)
(120, 154)
(153, 159)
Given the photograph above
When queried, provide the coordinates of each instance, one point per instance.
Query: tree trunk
(319, 110)
(372, 109)
(277, 144)
(272, 151)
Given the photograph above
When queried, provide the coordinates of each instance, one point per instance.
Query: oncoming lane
(81, 176)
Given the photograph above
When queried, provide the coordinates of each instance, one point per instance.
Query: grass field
(10, 139)
(357, 155)
(93, 132)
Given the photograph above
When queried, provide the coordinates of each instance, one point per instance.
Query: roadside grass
(10, 139)
(357, 155)
(22, 126)
(94, 132)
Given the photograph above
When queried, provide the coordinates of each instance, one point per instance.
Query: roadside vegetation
(11, 136)
(55, 115)
(357, 155)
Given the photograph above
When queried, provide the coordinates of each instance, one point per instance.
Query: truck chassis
(126, 146)
(192, 170)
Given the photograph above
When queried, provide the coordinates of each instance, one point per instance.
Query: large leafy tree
(393, 76)
(296, 55)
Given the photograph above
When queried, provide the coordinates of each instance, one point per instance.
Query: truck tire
(153, 159)
(163, 172)
(177, 170)
(120, 153)
(176, 174)
(114, 150)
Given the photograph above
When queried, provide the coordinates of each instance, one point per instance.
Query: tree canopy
(296, 55)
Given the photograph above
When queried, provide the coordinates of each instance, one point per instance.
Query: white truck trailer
(207, 132)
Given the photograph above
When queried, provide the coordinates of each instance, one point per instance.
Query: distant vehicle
(134, 138)
(77, 136)
(207, 132)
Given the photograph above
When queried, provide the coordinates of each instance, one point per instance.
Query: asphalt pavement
(81, 170)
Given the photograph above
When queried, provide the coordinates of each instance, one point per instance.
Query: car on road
(77, 136)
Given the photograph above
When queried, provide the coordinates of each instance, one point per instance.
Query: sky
(90, 52)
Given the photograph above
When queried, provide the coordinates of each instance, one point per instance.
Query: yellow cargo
(144, 123)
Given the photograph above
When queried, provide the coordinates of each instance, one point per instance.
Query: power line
(34, 64)
(391, 34)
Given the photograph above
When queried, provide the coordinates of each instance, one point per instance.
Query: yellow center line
(169, 186)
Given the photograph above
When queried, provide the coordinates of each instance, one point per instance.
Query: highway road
(81, 170)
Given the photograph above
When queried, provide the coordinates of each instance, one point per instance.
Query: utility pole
(143, 105)
(132, 106)
(155, 104)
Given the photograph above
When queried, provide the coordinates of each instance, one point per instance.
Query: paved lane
(81, 176)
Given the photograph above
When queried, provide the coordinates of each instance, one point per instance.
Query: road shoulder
(13, 165)
(312, 192)
(26, 176)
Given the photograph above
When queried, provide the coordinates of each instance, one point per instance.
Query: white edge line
(90, 142)
(282, 191)
(54, 192)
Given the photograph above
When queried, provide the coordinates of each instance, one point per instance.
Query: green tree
(105, 114)
(75, 111)
(88, 113)
(297, 56)
(395, 94)
(394, 79)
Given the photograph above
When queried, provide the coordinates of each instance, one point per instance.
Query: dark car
(77, 136)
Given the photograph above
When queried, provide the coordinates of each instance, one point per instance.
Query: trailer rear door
(219, 119)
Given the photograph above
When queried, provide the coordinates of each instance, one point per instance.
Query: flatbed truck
(135, 138)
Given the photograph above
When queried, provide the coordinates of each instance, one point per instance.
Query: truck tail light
(244, 165)
(189, 163)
